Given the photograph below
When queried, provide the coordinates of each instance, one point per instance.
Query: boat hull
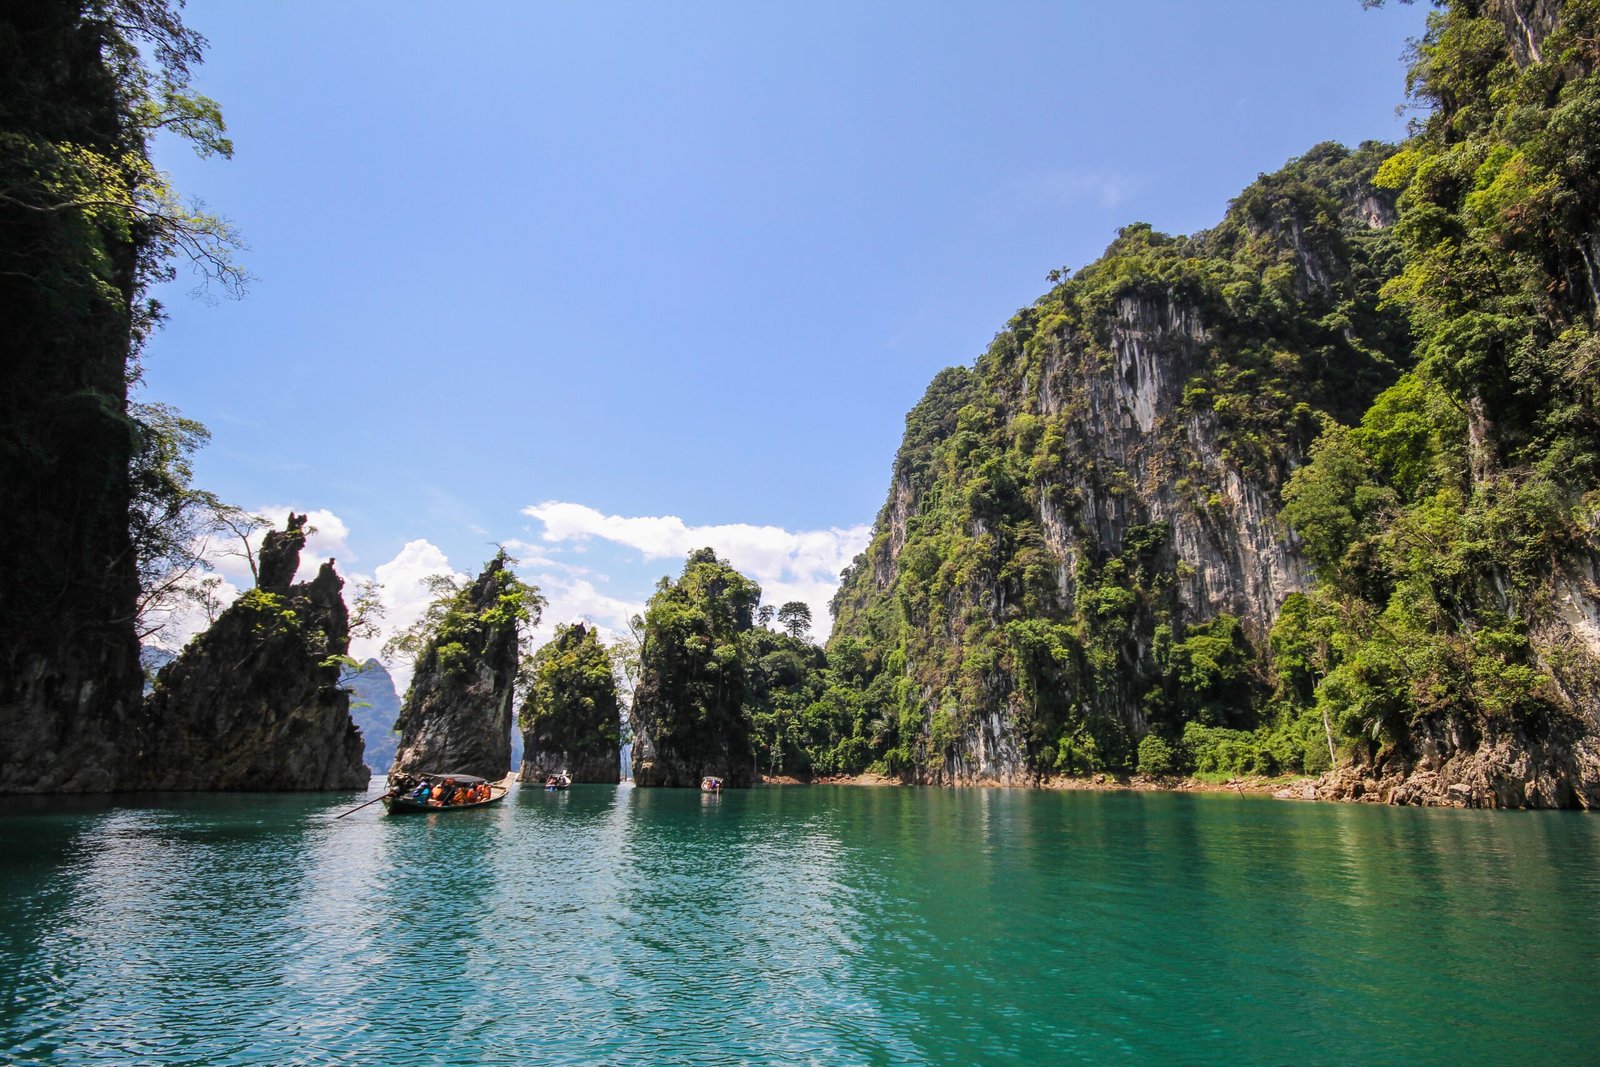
(407, 806)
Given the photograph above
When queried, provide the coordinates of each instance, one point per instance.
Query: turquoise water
(826, 925)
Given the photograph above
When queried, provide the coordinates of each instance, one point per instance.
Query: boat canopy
(453, 779)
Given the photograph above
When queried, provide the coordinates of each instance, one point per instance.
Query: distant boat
(708, 784)
(558, 781)
(420, 793)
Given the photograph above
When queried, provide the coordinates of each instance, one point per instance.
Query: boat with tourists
(710, 784)
(559, 780)
(417, 793)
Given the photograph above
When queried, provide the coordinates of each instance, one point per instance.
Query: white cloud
(186, 617)
(573, 599)
(404, 597)
(789, 565)
(226, 556)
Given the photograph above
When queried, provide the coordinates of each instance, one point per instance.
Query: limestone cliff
(571, 718)
(69, 283)
(1098, 496)
(1317, 490)
(456, 716)
(255, 702)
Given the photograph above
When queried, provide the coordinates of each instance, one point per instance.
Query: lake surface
(827, 925)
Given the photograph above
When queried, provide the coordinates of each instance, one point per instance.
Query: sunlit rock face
(456, 717)
(1147, 427)
(255, 702)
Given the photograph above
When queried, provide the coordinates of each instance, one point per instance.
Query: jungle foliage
(1397, 344)
(463, 624)
(571, 697)
(977, 614)
(1442, 521)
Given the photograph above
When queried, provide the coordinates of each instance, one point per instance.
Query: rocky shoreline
(1349, 785)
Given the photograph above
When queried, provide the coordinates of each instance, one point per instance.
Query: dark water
(796, 925)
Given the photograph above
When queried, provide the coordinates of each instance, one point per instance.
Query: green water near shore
(827, 925)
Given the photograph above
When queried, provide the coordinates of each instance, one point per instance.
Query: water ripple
(794, 926)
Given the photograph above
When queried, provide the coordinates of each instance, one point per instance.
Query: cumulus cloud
(404, 597)
(226, 557)
(789, 565)
(573, 599)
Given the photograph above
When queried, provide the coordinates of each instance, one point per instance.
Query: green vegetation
(464, 624)
(87, 225)
(1442, 523)
(1396, 347)
(570, 710)
(1271, 327)
(689, 717)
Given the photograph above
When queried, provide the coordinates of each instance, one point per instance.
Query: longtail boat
(422, 793)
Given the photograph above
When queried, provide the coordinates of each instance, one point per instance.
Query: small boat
(420, 793)
(708, 784)
(560, 780)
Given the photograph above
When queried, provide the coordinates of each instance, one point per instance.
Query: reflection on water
(794, 925)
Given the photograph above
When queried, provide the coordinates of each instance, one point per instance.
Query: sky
(606, 282)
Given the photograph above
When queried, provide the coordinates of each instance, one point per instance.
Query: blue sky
(671, 274)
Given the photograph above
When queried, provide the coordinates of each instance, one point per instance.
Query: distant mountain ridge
(374, 706)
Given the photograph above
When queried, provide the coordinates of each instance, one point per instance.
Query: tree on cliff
(689, 718)
(456, 716)
(569, 718)
(86, 225)
(795, 618)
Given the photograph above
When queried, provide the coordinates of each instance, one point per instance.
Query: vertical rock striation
(255, 702)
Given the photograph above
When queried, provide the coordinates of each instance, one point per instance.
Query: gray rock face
(279, 557)
(61, 713)
(1134, 392)
(1504, 769)
(255, 703)
(456, 717)
(537, 765)
(69, 667)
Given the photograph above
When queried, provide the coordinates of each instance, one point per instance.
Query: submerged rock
(456, 717)
(255, 701)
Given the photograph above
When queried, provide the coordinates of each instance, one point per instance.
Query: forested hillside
(1314, 487)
